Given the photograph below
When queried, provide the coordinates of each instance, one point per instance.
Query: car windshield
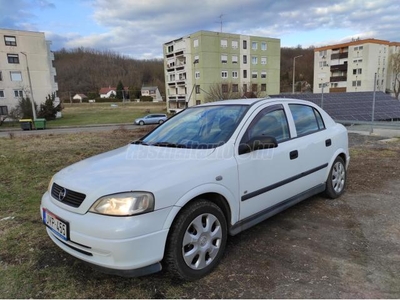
(199, 127)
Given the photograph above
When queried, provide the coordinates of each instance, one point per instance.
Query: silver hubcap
(338, 177)
(202, 241)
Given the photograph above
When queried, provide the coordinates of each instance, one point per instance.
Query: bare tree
(228, 90)
(395, 66)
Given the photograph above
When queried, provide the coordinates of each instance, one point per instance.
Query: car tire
(160, 122)
(197, 240)
(336, 182)
(141, 123)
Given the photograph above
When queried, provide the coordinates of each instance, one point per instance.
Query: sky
(139, 28)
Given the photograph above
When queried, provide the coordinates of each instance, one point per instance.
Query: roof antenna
(220, 17)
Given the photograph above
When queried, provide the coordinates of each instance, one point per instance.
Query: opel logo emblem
(62, 194)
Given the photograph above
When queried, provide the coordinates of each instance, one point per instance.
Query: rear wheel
(336, 182)
(197, 240)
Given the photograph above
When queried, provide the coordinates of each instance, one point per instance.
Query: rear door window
(306, 118)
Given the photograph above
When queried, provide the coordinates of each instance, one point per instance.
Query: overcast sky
(138, 28)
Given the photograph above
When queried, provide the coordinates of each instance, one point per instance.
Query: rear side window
(306, 118)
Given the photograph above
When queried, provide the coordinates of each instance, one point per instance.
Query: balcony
(338, 78)
(342, 67)
(337, 90)
(340, 55)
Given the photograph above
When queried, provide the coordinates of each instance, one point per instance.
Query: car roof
(251, 101)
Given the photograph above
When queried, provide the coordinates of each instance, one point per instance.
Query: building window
(234, 74)
(197, 74)
(357, 71)
(15, 76)
(235, 88)
(195, 43)
(18, 94)
(244, 88)
(198, 102)
(224, 74)
(170, 49)
(263, 87)
(244, 73)
(263, 60)
(254, 74)
(1, 94)
(10, 40)
(264, 46)
(234, 59)
(224, 58)
(263, 74)
(322, 53)
(224, 43)
(254, 60)
(13, 58)
(244, 44)
(3, 110)
(356, 83)
(235, 44)
(196, 59)
(197, 89)
(244, 59)
(224, 88)
(1, 76)
(323, 64)
(254, 87)
(254, 45)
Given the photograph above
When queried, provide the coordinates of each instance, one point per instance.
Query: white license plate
(57, 225)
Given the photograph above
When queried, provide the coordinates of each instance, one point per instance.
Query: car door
(316, 149)
(267, 176)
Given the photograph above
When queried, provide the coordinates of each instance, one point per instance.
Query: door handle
(294, 154)
(328, 142)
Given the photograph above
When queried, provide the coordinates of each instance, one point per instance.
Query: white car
(173, 197)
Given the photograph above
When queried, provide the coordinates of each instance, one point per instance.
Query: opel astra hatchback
(172, 198)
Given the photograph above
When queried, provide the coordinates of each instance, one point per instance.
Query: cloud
(140, 27)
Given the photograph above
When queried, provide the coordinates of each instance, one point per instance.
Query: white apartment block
(237, 64)
(25, 54)
(351, 67)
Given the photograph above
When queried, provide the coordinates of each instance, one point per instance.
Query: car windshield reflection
(200, 127)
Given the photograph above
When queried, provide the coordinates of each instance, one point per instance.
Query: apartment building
(25, 58)
(351, 67)
(198, 65)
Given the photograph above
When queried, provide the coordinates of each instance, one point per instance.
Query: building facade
(25, 62)
(351, 67)
(205, 66)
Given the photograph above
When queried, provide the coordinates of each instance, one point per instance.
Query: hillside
(86, 70)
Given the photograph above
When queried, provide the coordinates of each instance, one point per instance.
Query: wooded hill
(86, 71)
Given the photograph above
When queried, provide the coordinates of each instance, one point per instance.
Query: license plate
(57, 225)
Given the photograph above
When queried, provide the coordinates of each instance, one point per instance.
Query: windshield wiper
(140, 142)
(168, 144)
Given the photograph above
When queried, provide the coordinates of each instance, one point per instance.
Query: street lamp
(30, 86)
(294, 70)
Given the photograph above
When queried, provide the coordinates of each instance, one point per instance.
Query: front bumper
(127, 246)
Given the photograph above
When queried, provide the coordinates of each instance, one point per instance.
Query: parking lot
(343, 248)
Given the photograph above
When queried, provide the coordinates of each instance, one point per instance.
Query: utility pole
(294, 70)
(30, 86)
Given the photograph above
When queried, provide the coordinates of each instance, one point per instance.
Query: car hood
(133, 167)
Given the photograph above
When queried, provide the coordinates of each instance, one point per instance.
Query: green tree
(23, 110)
(120, 90)
(48, 109)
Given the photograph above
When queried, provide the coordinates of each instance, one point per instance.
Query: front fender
(231, 200)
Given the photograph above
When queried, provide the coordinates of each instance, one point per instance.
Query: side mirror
(258, 143)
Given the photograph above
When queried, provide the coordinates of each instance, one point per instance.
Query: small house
(79, 97)
(153, 92)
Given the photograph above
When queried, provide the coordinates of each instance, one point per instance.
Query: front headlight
(124, 204)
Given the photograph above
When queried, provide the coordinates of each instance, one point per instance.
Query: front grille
(67, 196)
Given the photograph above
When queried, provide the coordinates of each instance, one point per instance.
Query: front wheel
(141, 123)
(161, 121)
(336, 181)
(197, 240)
